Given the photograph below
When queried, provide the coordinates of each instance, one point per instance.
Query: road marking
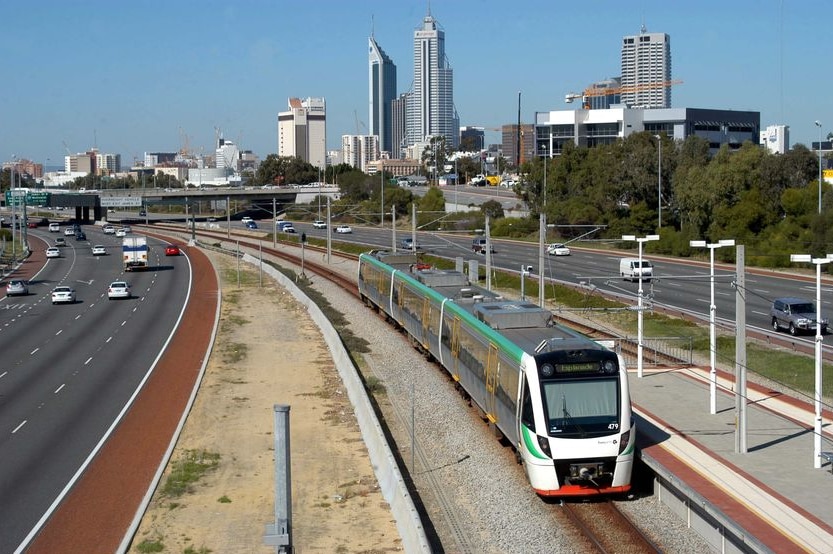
(135, 308)
(16, 429)
(78, 316)
(3, 374)
(88, 360)
(59, 388)
(59, 332)
(33, 351)
(123, 323)
(109, 339)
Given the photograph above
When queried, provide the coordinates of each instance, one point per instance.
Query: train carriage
(561, 399)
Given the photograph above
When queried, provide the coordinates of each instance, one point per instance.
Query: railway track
(604, 528)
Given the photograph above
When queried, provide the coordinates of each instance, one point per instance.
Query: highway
(68, 371)
(680, 285)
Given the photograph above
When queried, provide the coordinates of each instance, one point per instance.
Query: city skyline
(155, 84)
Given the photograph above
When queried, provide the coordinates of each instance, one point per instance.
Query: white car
(109, 230)
(343, 229)
(99, 250)
(121, 232)
(557, 249)
(69, 231)
(54, 227)
(246, 219)
(319, 224)
(63, 295)
(118, 289)
(53, 252)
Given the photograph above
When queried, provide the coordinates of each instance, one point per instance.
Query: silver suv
(796, 315)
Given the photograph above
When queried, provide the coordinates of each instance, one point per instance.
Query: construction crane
(358, 123)
(593, 91)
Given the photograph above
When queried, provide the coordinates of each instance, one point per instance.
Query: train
(560, 398)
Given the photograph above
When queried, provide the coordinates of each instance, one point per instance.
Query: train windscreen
(580, 408)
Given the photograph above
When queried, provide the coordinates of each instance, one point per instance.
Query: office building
(473, 139)
(398, 125)
(358, 150)
(595, 127)
(226, 155)
(646, 70)
(430, 108)
(302, 131)
(382, 76)
(509, 144)
(776, 138)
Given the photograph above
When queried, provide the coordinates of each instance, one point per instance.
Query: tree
(492, 209)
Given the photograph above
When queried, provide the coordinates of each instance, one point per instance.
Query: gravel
(475, 493)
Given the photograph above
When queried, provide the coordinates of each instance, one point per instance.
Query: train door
(492, 373)
(455, 348)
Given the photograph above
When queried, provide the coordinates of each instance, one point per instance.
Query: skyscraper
(302, 131)
(430, 108)
(382, 76)
(646, 70)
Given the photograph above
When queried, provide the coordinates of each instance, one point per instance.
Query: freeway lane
(680, 286)
(68, 370)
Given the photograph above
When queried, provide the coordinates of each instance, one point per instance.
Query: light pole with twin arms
(712, 313)
(818, 124)
(639, 241)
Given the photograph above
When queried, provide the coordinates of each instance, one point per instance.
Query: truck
(135, 253)
(635, 269)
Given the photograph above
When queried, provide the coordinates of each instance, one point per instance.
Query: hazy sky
(135, 77)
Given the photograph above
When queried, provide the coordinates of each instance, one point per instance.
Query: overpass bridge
(92, 205)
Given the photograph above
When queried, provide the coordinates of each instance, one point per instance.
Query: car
(319, 224)
(286, 227)
(343, 229)
(507, 184)
(478, 246)
(127, 228)
(251, 225)
(17, 287)
(118, 289)
(246, 219)
(172, 250)
(60, 241)
(109, 230)
(69, 231)
(63, 295)
(408, 244)
(80, 235)
(797, 315)
(99, 250)
(54, 228)
(32, 225)
(53, 252)
(121, 232)
(211, 219)
(557, 249)
(143, 213)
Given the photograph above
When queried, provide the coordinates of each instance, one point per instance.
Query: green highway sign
(31, 198)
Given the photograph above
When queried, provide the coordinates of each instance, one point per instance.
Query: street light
(817, 430)
(659, 182)
(818, 124)
(544, 155)
(639, 241)
(712, 313)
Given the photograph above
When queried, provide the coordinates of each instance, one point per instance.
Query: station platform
(775, 497)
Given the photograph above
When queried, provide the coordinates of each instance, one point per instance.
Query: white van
(629, 269)
(54, 227)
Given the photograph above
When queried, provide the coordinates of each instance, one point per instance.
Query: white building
(358, 150)
(776, 138)
(646, 70)
(227, 155)
(302, 131)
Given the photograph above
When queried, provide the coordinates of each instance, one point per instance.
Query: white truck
(135, 253)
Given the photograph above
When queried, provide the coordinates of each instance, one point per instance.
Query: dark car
(797, 315)
(80, 235)
(251, 225)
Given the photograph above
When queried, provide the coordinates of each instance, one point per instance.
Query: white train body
(560, 398)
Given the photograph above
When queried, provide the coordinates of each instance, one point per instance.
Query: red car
(172, 250)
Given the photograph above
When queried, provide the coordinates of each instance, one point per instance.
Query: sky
(149, 75)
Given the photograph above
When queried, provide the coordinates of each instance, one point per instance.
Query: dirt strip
(101, 506)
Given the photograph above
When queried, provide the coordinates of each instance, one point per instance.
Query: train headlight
(547, 370)
(544, 443)
(624, 440)
(609, 366)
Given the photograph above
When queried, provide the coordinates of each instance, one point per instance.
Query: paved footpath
(772, 491)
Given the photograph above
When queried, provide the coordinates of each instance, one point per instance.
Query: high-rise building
(397, 112)
(430, 108)
(302, 131)
(382, 76)
(646, 70)
(359, 150)
(227, 155)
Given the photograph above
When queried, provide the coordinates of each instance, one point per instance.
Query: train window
(526, 412)
(584, 407)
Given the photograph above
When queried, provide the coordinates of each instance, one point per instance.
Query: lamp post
(818, 262)
(545, 157)
(818, 124)
(639, 241)
(659, 183)
(712, 313)
(382, 194)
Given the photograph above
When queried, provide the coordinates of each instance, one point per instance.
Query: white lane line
(135, 308)
(16, 429)
(108, 339)
(59, 332)
(123, 323)
(59, 388)
(78, 316)
(3, 374)
(88, 360)
(33, 351)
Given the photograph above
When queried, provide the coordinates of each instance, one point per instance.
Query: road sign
(32, 198)
(121, 201)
